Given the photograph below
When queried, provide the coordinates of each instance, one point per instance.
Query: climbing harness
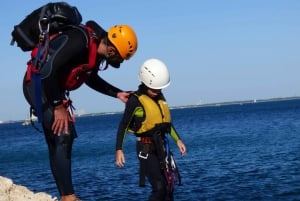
(160, 143)
(67, 103)
(171, 171)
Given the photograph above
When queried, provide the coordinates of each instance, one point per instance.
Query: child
(147, 116)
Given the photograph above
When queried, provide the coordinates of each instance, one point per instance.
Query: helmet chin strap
(103, 65)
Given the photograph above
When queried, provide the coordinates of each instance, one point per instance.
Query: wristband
(56, 103)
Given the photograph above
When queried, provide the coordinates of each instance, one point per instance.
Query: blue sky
(216, 50)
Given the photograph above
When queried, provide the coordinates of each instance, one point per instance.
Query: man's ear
(111, 51)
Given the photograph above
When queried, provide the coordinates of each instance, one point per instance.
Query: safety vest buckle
(143, 155)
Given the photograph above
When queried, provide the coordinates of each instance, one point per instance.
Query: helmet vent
(149, 71)
(130, 46)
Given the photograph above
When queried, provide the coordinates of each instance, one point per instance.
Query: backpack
(34, 34)
(56, 16)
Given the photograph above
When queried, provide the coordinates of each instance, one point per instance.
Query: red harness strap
(92, 47)
(80, 73)
(34, 53)
(69, 106)
(30, 68)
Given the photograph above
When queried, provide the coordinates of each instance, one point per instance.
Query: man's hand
(61, 120)
(123, 96)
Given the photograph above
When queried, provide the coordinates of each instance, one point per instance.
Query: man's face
(115, 59)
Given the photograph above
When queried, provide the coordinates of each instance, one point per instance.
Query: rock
(12, 192)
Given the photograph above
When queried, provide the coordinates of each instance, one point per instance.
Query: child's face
(153, 92)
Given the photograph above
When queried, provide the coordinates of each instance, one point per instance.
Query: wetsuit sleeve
(97, 83)
(174, 134)
(69, 48)
(128, 117)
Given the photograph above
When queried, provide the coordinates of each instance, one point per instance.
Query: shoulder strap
(92, 46)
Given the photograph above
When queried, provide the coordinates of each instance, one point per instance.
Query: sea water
(238, 152)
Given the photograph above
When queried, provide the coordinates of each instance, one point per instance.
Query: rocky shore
(12, 192)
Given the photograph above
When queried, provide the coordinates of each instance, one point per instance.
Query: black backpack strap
(31, 112)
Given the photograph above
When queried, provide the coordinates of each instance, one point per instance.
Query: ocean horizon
(211, 104)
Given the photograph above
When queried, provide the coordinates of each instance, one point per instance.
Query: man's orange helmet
(124, 39)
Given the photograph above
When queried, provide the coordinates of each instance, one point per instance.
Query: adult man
(63, 72)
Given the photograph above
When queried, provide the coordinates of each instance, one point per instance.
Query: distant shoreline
(239, 102)
(208, 105)
(184, 106)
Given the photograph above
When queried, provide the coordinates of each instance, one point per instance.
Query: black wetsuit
(151, 165)
(67, 51)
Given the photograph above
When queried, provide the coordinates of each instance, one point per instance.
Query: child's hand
(120, 158)
(181, 147)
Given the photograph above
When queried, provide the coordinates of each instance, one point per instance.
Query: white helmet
(154, 74)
